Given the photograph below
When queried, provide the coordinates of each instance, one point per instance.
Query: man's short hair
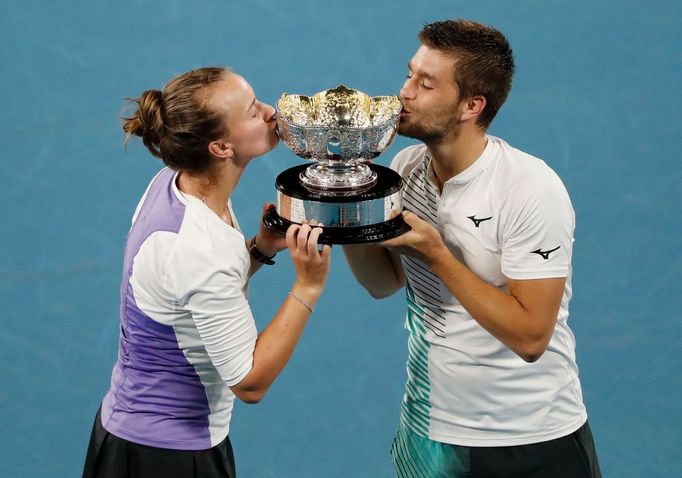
(484, 60)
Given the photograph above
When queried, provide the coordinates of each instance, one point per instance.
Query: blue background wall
(596, 96)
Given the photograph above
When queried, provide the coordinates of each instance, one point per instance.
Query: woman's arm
(277, 342)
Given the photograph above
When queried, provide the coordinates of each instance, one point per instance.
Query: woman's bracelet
(301, 301)
(258, 255)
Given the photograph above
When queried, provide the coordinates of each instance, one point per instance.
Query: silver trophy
(342, 130)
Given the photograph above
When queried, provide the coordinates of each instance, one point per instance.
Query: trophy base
(344, 235)
(349, 217)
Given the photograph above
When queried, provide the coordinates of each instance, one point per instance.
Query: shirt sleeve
(538, 231)
(212, 289)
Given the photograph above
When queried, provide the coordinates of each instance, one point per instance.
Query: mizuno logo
(478, 221)
(545, 254)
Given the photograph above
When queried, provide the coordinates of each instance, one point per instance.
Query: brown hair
(177, 124)
(485, 62)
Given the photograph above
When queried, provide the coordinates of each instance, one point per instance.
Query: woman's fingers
(292, 234)
(302, 238)
(266, 207)
(312, 241)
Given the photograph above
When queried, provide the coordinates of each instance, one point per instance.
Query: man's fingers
(411, 219)
(390, 242)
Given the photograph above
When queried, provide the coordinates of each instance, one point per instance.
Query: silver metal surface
(339, 128)
(342, 214)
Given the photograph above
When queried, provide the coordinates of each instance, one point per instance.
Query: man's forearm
(502, 314)
(374, 269)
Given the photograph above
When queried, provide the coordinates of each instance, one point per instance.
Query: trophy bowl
(341, 130)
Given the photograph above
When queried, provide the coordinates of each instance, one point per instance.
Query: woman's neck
(213, 188)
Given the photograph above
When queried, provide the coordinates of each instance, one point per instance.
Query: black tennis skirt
(109, 456)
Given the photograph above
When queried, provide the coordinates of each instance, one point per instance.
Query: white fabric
(480, 393)
(196, 282)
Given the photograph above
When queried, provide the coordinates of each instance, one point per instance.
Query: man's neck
(453, 155)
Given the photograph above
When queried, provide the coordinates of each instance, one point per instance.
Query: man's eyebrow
(424, 74)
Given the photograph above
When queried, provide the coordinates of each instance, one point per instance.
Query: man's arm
(376, 268)
(522, 319)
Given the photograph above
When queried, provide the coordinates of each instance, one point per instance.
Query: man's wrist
(438, 255)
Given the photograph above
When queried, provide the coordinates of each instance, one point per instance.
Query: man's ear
(473, 107)
(221, 149)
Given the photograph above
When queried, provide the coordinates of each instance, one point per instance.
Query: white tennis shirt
(506, 216)
(187, 332)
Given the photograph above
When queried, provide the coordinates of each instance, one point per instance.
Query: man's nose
(406, 92)
(270, 112)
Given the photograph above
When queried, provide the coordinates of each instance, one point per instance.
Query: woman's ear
(221, 149)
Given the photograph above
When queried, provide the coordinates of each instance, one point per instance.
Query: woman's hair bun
(147, 121)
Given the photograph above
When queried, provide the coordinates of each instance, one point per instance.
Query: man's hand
(422, 241)
(267, 241)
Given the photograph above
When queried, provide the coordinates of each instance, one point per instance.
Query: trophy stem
(331, 178)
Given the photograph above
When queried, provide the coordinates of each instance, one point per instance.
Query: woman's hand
(312, 265)
(267, 241)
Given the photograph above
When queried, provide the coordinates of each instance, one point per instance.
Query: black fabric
(573, 456)
(109, 456)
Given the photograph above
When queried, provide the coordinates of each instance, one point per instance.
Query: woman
(188, 342)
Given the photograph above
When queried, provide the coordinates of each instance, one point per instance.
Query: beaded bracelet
(301, 301)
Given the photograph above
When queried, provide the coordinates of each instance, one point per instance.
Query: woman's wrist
(308, 292)
(264, 248)
(256, 253)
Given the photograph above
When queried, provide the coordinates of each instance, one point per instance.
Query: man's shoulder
(408, 158)
(522, 181)
(523, 170)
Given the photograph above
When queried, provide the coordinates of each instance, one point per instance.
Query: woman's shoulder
(215, 245)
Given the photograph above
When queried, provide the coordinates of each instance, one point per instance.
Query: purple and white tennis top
(187, 332)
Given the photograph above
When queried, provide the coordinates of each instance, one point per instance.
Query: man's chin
(406, 131)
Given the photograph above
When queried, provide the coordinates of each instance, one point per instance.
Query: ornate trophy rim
(341, 129)
(341, 88)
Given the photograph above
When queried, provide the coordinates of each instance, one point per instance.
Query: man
(492, 387)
